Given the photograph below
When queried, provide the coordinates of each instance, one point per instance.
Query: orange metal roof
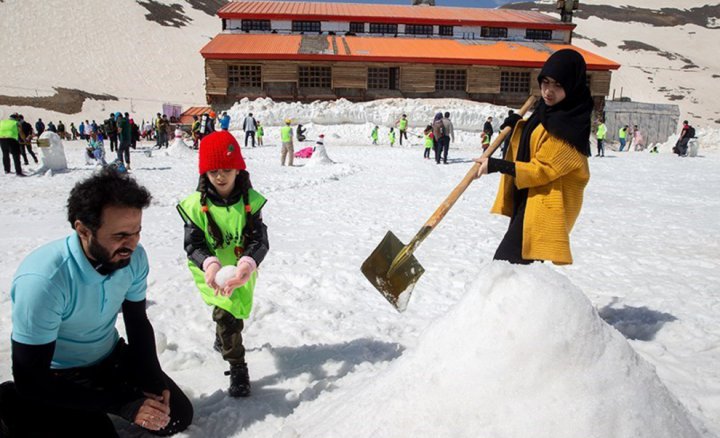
(291, 10)
(196, 111)
(395, 50)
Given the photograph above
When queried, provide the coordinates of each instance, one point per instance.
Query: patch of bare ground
(704, 16)
(637, 45)
(597, 42)
(65, 100)
(172, 15)
(210, 7)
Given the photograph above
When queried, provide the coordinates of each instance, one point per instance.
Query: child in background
(374, 135)
(485, 140)
(95, 149)
(429, 141)
(224, 227)
(259, 133)
(391, 136)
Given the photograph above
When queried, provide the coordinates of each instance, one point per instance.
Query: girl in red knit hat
(225, 241)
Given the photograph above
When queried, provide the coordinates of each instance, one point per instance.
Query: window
(357, 27)
(515, 82)
(446, 31)
(244, 76)
(450, 79)
(383, 78)
(315, 77)
(383, 28)
(493, 32)
(306, 26)
(248, 25)
(538, 34)
(418, 29)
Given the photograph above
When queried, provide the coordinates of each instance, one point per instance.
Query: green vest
(428, 142)
(403, 124)
(391, 135)
(260, 131)
(231, 221)
(286, 134)
(9, 129)
(622, 133)
(601, 131)
(374, 134)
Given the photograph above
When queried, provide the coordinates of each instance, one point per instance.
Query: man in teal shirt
(70, 366)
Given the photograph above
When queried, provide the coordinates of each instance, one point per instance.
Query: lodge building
(307, 51)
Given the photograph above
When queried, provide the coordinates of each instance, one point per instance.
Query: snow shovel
(391, 267)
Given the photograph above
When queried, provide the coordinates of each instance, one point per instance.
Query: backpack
(439, 126)
(690, 132)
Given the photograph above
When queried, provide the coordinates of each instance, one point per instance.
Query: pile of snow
(466, 115)
(53, 155)
(523, 354)
(320, 156)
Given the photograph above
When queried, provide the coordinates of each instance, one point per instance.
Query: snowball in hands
(224, 274)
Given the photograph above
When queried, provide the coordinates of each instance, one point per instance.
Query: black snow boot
(239, 381)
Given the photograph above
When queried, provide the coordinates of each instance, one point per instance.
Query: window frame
(493, 32)
(419, 29)
(446, 30)
(306, 26)
(314, 76)
(383, 78)
(383, 28)
(515, 82)
(450, 79)
(244, 76)
(356, 25)
(252, 25)
(543, 34)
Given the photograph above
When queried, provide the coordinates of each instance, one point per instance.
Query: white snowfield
(483, 349)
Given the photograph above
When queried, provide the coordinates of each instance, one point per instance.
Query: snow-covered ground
(484, 348)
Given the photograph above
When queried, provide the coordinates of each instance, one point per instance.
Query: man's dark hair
(107, 187)
(447, 114)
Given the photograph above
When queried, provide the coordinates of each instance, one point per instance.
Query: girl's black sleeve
(502, 166)
(256, 239)
(196, 246)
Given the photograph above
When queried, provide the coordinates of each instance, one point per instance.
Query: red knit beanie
(220, 150)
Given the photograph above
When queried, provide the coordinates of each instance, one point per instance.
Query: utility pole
(566, 8)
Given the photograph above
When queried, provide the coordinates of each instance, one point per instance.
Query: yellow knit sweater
(555, 177)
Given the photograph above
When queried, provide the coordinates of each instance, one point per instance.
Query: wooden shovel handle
(447, 204)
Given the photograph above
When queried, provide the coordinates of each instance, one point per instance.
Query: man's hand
(483, 169)
(154, 414)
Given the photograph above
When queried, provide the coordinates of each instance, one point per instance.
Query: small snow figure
(320, 155)
(53, 154)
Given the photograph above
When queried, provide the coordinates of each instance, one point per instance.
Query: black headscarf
(568, 120)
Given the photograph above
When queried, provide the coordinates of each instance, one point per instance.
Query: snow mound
(465, 114)
(523, 354)
(52, 154)
(320, 156)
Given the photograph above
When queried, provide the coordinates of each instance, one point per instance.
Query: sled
(392, 268)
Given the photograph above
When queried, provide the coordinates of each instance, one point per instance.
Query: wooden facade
(280, 80)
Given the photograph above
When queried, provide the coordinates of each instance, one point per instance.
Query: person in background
(511, 120)
(111, 131)
(681, 146)
(485, 140)
(402, 127)
(70, 366)
(638, 139)
(26, 146)
(449, 136)
(546, 168)
(429, 141)
(260, 133)
(300, 133)
(225, 121)
(488, 127)
(224, 227)
(61, 130)
(600, 135)
(11, 138)
(124, 138)
(195, 131)
(51, 127)
(286, 137)
(39, 127)
(374, 135)
(622, 137)
(391, 136)
(250, 126)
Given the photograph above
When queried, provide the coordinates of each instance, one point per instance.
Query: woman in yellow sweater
(545, 170)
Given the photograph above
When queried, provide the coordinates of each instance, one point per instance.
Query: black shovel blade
(396, 288)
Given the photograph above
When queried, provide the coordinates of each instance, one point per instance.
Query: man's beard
(102, 257)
